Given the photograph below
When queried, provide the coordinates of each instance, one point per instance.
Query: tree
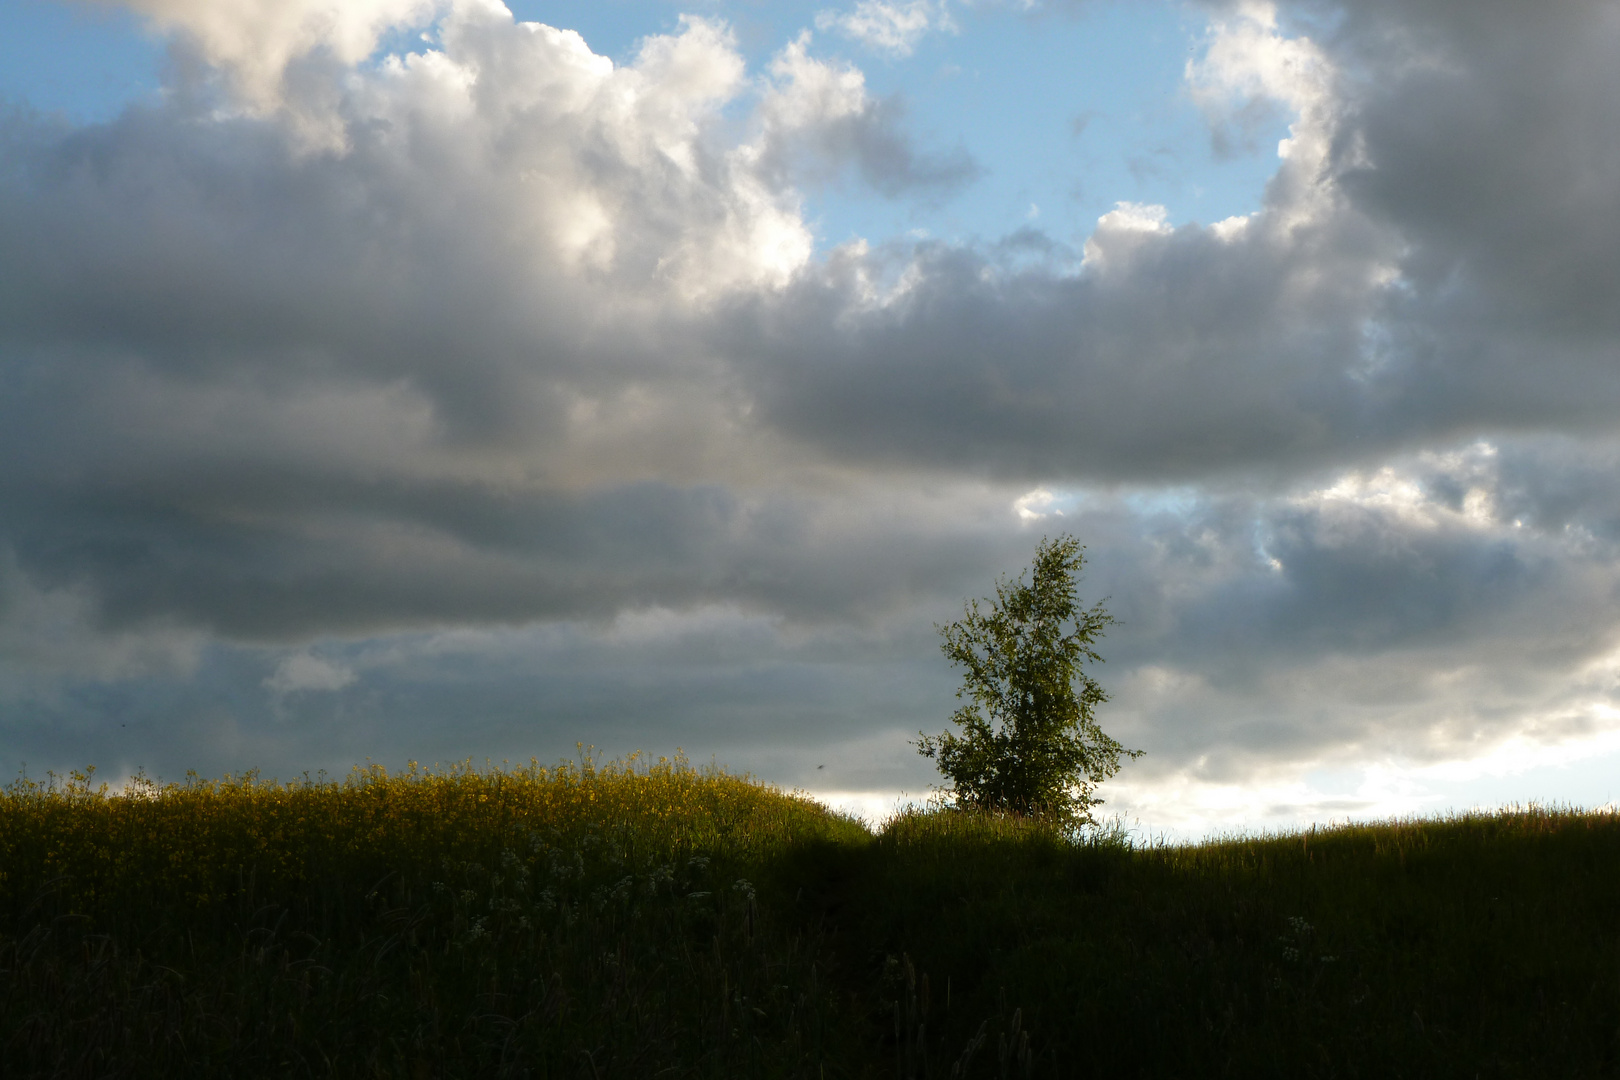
(1027, 739)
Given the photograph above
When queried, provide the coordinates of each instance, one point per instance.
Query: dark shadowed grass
(635, 920)
(1478, 945)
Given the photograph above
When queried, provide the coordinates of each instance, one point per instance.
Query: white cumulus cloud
(893, 28)
(255, 41)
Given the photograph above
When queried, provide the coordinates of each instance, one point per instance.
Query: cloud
(1036, 505)
(1505, 248)
(1397, 615)
(1250, 71)
(1390, 621)
(50, 635)
(817, 118)
(1325, 324)
(893, 28)
(273, 54)
(303, 671)
(524, 392)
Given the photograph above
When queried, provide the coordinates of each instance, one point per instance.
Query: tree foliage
(1027, 739)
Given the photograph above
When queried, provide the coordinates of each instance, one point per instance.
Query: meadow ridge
(649, 918)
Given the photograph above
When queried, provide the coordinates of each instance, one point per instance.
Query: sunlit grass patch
(195, 844)
(539, 920)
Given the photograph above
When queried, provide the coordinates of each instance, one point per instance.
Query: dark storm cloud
(1403, 611)
(1489, 138)
(289, 556)
(1192, 356)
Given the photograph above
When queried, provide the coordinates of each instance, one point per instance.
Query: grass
(572, 921)
(651, 919)
(1480, 945)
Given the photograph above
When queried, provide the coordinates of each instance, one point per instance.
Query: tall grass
(651, 919)
(567, 921)
(1475, 945)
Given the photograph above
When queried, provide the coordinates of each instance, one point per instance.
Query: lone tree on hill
(1028, 740)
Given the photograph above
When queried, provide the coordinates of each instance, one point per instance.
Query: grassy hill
(650, 919)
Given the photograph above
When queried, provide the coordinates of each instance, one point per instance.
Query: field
(646, 919)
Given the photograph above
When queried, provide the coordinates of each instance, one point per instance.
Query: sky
(437, 380)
